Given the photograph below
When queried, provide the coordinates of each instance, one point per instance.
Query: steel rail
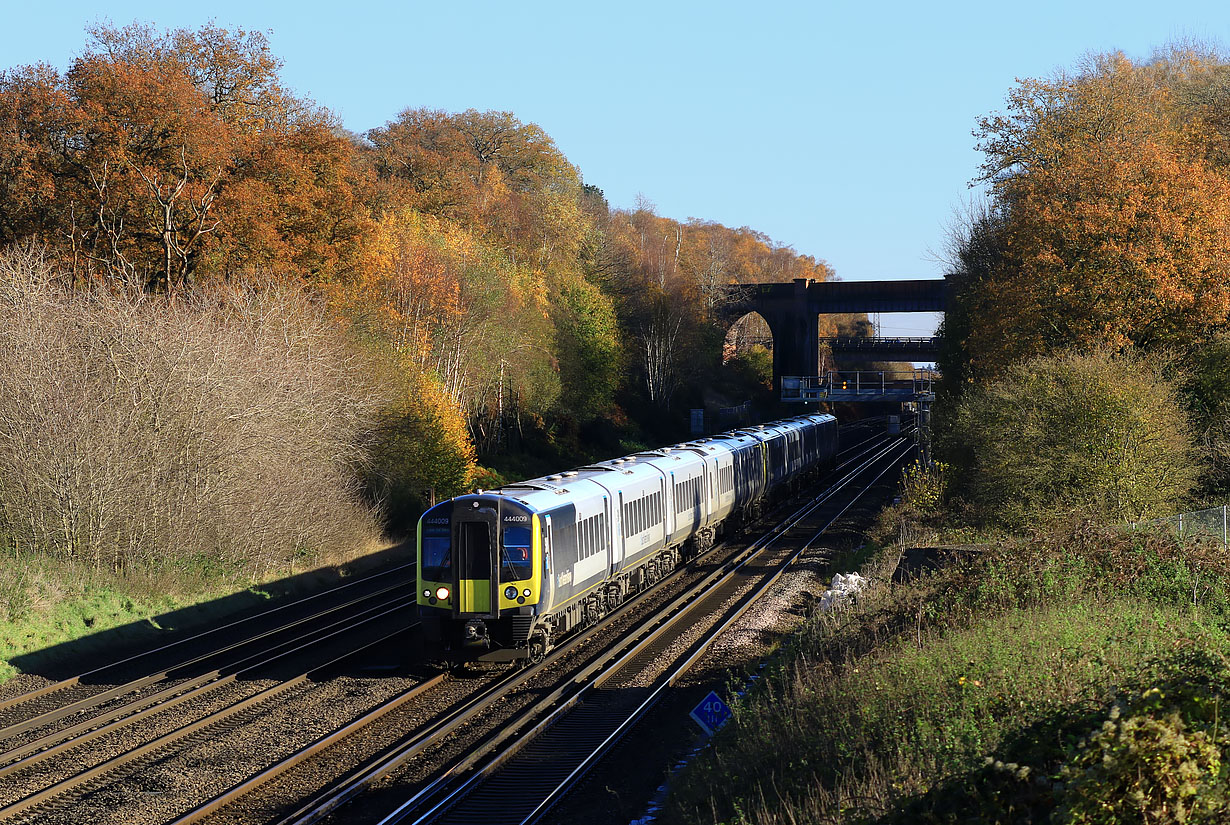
(569, 694)
(66, 739)
(74, 680)
(68, 785)
(274, 771)
(94, 700)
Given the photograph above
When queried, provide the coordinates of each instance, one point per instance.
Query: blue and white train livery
(505, 573)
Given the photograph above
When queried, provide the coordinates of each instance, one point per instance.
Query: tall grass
(973, 695)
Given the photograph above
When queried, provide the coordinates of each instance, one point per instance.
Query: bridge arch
(749, 330)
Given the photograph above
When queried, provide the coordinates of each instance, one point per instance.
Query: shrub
(140, 432)
(1095, 434)
(1140, 769)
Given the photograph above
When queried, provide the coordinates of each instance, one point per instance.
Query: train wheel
(538, 647)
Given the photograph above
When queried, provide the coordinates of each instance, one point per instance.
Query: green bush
(1079, 435)
(1141, 769)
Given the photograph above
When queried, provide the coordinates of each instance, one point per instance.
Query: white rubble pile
(845, 585)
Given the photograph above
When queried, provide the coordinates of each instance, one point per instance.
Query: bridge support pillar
(796, 334)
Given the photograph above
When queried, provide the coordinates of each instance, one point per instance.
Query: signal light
(441, 593)
(526, 592)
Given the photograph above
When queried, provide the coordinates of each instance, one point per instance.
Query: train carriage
(504, 573)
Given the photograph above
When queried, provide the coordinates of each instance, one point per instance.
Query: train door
(476, 547)
(618, 531)
(609, 539)
(548, 581)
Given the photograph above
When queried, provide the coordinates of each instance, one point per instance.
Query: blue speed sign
(711, 713)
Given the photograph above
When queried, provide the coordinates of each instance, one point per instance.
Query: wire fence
(1212, 523)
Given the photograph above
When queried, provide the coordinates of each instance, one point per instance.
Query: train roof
(545, 492)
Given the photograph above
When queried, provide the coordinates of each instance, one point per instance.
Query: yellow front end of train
(480, 573)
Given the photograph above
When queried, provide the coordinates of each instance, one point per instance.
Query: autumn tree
(159, 157)
(488, 171)
(454, 307)
(1108, 225)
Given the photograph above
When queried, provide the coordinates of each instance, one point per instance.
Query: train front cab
(479, 577)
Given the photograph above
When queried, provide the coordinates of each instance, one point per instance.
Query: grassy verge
(44, 603)
(1070, 679)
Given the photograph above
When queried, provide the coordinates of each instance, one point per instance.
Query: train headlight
(427, 594)
(441, 593)
(510, 592)
(526, 592)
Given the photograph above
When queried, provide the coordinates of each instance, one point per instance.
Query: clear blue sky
(839, 128)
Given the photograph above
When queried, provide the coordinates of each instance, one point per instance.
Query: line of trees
(1107, 231)
(487, 290)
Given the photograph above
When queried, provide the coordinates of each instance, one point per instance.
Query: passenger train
(504, 574)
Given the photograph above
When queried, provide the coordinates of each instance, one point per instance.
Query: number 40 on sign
(711, 713)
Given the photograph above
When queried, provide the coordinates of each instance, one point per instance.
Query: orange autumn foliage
(161, 158)
(1109, 223)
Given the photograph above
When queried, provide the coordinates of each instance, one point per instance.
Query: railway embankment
(79, 624)
(1072, 675)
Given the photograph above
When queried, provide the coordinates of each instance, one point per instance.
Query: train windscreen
(517, 563)
(437, 558)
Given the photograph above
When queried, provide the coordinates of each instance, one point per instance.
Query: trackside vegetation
(1099, 435)
(1075, 677)
(1054, 663)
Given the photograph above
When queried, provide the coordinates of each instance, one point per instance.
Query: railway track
(60, 751)
(423, 744)
(82, 691)
(552, 746)
(33, 741)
